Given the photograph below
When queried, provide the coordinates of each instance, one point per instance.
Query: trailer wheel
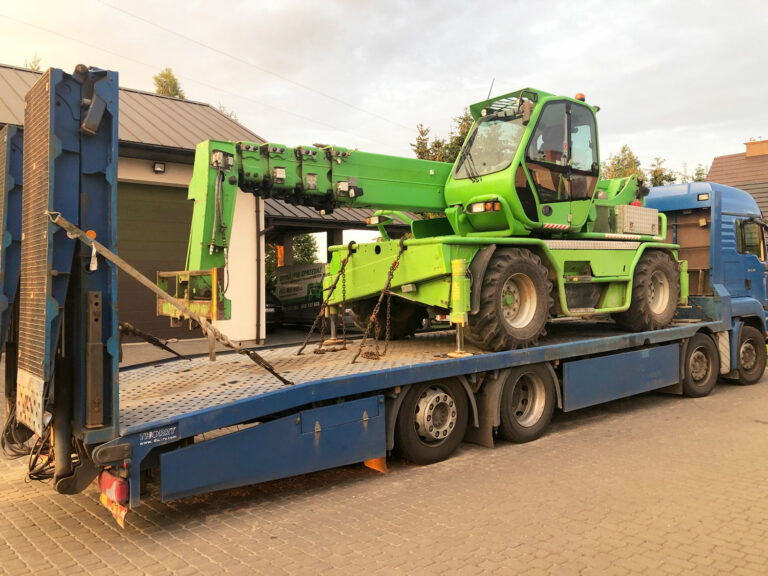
(527, 403)
(405, 317)
(514, 302)
(752, 355)
(701, 366)
(655, 293)
(432, 421)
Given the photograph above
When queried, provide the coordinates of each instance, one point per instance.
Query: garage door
(152, 233)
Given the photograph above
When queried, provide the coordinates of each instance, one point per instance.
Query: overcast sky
(684, 80)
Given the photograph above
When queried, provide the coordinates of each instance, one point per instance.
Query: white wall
(246, 283)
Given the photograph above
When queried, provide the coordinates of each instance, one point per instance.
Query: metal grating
(152, 393)
(155, 392)
(34, 255)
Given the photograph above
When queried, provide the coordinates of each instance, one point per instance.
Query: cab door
(562, 162)
(583, 162)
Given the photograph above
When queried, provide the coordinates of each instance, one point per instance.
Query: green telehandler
(521, 228)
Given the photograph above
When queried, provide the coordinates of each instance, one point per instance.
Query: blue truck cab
(720, 231)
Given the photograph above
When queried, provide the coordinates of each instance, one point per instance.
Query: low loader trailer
(254, 416)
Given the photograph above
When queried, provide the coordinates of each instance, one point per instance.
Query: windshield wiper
(466, 156)
(471, 168)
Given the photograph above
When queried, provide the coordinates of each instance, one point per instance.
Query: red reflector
(635, 203)
(114, 488)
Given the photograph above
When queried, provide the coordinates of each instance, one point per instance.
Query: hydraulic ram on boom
(523, 209)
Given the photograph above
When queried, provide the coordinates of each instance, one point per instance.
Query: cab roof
(700, 195)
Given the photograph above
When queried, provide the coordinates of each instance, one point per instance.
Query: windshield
(491, 147)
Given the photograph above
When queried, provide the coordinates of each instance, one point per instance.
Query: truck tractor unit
(518, 230)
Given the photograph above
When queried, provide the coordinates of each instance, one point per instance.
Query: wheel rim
(435, 416)
(699, 366)
(748, 356)
(518, 300)
(528, 400)
(659, 292)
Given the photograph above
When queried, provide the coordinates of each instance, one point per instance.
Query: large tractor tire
(655, 293)
(432, 421)
(514, 302)
(405, 317)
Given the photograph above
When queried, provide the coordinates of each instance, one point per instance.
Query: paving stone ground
(654, 484)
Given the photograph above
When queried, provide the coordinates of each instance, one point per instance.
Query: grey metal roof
(145, 118)
(283, 214)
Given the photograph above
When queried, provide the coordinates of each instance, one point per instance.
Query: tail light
(113, 487)
(114, 493)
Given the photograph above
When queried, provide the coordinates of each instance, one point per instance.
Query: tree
(304, 252)
(33, 64)
(304, 249)
(659, 175)
(700, 174)
(227, 112)
(622, 165)
(270, 259)
(440, 149)
(166, 84)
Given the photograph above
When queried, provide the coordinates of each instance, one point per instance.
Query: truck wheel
(514, 302)
(527, 403)
(432, 421)
(701, 366)
(655, 293)
(752, 355)
(405, 317)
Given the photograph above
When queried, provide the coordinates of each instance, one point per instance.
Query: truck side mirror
(595, 169)
(527, 110)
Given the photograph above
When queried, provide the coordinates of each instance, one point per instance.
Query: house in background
(746, 170)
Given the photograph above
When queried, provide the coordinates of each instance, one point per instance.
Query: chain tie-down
(321, 314)
(375, 354)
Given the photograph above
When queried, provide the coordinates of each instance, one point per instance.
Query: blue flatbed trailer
(338, 413)
(214, 425)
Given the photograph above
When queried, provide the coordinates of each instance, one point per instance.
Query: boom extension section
(323, 178)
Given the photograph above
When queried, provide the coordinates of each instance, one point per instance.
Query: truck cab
(720, 231)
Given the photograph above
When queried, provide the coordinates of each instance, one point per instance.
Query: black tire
(441, 402)
(701, 366)
(405, 317)
(655, 293)
(527, 403)
(752, 355)
(503, 321)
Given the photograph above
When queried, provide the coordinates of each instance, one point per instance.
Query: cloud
(683, 80)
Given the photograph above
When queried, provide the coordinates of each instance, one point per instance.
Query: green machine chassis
(525, 190)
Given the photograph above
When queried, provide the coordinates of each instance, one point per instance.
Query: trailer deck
(156, 393)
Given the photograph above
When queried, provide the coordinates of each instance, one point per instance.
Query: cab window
(583, 139)
(749, 238)
(550, 142)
